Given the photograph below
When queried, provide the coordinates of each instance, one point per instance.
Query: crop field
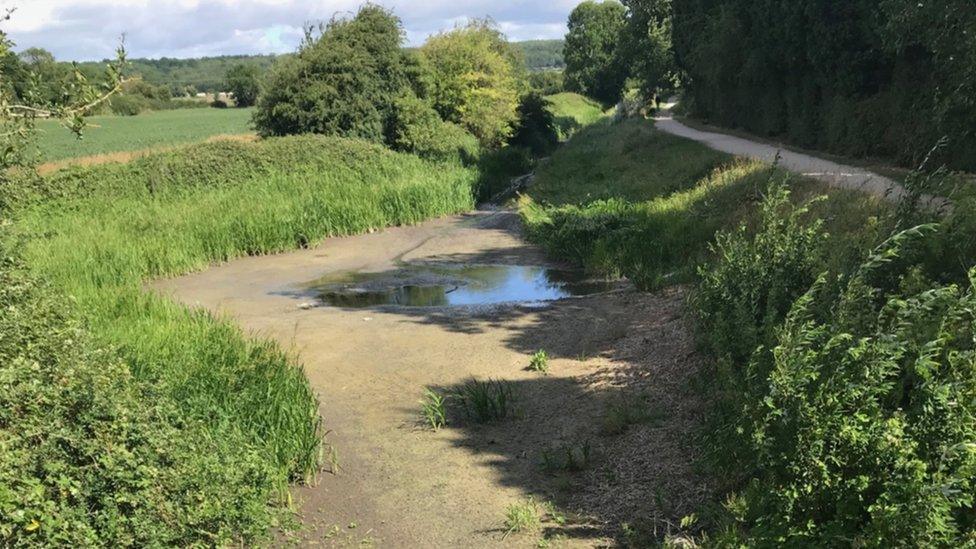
(109, 134)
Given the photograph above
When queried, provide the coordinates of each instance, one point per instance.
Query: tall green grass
(99, 234)
(629, 160)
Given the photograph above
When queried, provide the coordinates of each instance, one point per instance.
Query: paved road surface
(829, 172)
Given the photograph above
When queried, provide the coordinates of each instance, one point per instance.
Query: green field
(111, 134)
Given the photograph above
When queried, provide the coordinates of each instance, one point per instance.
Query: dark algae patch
(455, 286)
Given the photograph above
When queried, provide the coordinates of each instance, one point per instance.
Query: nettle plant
(867, 434)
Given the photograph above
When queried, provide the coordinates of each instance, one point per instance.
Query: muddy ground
(403, 485)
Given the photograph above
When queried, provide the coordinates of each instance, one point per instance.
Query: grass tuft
(539, 362)
(486, 401)
(522, 517)
(433, 409)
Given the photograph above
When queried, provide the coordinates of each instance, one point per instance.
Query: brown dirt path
(401, 485)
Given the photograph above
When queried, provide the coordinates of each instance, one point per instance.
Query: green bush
(343, 83)
(128, 105)
(744, 295)
(417, 128)
(92, 457)
(865, 436)
(476, 79)
(536, 126)
(547, 82)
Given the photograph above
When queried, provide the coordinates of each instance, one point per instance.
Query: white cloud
(89, 29)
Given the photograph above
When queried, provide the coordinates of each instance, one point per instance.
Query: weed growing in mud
(624, 411)
(434, 410)
(540, 362)
(567, 457)
(521, 517)
(486, 401)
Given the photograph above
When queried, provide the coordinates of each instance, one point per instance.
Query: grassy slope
(111, 134)
(573, 112)
(625, 200)
(107, 230)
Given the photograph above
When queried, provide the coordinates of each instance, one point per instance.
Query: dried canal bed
(401, 485)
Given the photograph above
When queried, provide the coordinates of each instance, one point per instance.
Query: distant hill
(206, 74)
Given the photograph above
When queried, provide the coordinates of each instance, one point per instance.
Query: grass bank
(573, 112)
(623, 199)
(115, 134)
(244, 413)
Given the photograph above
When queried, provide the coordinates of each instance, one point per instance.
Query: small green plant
(567, 457)
(486, 401)
(540, 362)
(520, 517)
(433, 409)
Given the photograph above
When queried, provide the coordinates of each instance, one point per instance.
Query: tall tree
(594, 66)
(646, 47)
(857, 77)
(242, 81)
(477, 76)
(342, 82)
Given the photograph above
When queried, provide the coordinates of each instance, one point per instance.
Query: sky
(83, 30)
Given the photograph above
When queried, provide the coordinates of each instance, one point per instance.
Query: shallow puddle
(447, 286)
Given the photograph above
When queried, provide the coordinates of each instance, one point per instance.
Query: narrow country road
(839, 175)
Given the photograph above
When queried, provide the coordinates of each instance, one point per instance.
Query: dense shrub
(242, 81)
(844, 412)
(128, 105)
(865, 436)
(856, 77)
(745, 294)
(476, 78)
(345, 82)
(417, 128)
(92, 458)
(535, 128)
(548, 82)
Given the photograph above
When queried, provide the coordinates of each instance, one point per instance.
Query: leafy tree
(547, 82)
(49, 79)
(242, 81)
(646, 46)
(476, 77)
(593, 64)
(343, 82)
(536, 126)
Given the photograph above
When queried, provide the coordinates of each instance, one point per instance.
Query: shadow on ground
(607, 435)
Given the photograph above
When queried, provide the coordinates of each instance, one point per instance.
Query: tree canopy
(593, 64)
(343, 82)
(476, 79)
(858, 77)
(242, 81)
